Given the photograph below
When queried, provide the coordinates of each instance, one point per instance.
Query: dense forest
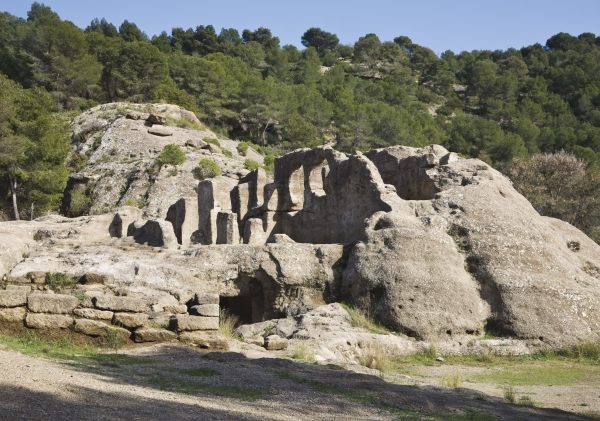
(499, 106)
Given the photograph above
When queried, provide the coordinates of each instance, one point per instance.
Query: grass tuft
(452, 381)
(376, 356)
(57, 280)
(583, 351)
(303, 352)
(510, 394)
(361, 319)
(227, 323)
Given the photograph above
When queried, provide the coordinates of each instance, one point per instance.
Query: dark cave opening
(247, 307)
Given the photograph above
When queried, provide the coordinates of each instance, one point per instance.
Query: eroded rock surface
(433, 246)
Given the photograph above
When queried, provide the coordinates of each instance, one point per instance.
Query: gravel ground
(173, 382)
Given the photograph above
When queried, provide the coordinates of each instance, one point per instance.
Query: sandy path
(35, 388)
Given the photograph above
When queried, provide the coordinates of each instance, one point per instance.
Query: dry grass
(376, 356)
(452, 381)
(227, 323)
(303, 351)
(361, 319)
(510, 394)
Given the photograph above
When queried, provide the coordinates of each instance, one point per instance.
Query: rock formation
(434, 246)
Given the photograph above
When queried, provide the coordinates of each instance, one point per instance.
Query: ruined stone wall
(32, 302)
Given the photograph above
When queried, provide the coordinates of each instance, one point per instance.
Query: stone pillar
(254, 234)
(227, 228)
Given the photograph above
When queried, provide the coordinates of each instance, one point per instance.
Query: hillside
(498, 106)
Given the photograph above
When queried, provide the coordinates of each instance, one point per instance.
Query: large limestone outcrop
(536, 277)
(430, 244)
(116, 146)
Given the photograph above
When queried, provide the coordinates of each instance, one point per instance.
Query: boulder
(256, 329)
(52, 303)
(94, 278)
(156, 119)
(48, 321)
(153, 335)
(13, 314)
(185, 322)
(255, 340)
(99, 329)
(424, 295)
(204, 340)
(196, 143)
(211, 310)
(285, 327)
(91, 313)
(13, 297)
(114, 303)
(130, 320)
(206, 298)
(275, 343)
(160, 131)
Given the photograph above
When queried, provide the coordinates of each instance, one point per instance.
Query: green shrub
(582, 351)
(212, 140)
(171, 155)
(242, 148)
(138, 203)
(270, 163)
(78, 162)
(251, 164)
(80, 203)
(57, 280)
(184, 123)
(227, 153)
(207, 168)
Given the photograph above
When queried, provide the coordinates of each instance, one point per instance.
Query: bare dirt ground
(174, 382)
(565, 385)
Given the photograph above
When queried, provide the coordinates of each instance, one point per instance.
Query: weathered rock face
(432, 245)
(476, 252)
(118, 145)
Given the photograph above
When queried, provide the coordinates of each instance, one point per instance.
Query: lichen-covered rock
(13, 297)
(99, 329)
(48, 321)
(205, 340)
(275, 343)
(175, 309)
(122, 153)
(185, 322)
(130, 320)
(114, 303)
(13, 314)
(153, 335)
(52, 303)
(92, 313)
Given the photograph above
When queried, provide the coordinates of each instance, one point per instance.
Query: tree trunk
(12, 181)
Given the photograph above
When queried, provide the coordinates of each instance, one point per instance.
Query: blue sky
(441, 25)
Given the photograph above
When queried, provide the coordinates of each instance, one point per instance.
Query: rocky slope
(438, 248)
(115, 147)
